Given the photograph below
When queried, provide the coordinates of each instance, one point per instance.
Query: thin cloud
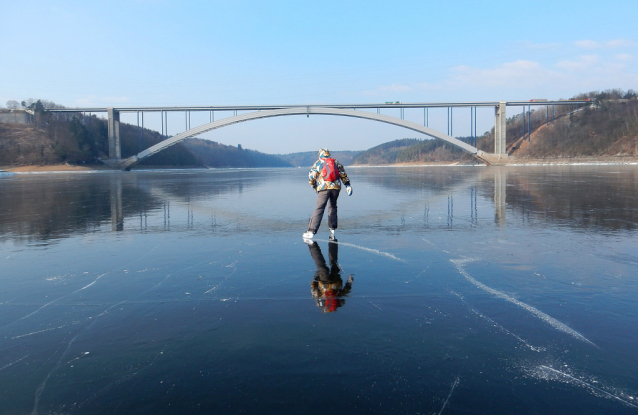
(619, 43)
(520, 72)
(582, 63)
(584, 73)
(624, 57)
(612, 44)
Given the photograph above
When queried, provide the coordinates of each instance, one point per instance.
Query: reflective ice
(450, 290)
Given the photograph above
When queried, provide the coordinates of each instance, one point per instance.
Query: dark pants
(325, 273)
(325, 197)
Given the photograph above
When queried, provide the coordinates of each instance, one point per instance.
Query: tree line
(72, 138)
(569, 130)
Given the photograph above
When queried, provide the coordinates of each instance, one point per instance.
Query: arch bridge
(258, 112)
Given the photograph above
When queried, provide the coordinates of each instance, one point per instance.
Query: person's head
(323, 153)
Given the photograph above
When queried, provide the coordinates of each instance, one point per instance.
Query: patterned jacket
(317, 181)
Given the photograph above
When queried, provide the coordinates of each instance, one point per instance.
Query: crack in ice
(582, 382)
(546, 318)
(501, 328)
(12, 363)
(363, 248)
(454, 385)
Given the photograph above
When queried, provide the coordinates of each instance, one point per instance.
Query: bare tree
(11, 104)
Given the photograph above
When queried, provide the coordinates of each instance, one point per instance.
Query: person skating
(326, 177)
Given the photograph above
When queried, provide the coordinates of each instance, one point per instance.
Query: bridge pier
(500, 125)
(115, 151)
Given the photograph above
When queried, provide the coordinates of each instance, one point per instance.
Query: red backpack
(329, 170)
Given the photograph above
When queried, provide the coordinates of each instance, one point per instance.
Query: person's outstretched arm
(343, 175)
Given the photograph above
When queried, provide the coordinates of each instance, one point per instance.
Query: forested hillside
(607, 127)
(57, 138)
(410, 150)
(212, 154)
(308, 158)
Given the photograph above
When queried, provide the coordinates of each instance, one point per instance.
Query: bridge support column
(117, 213)
(500, 195)
(500, 124)
(115, 152)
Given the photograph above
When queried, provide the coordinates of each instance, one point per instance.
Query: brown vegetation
(24, 144)
(610, 129)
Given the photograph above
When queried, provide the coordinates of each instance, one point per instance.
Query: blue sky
(164, 52)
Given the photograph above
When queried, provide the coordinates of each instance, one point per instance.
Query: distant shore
(54, 168)
(512, 162)
(76, 168)
(554, 161)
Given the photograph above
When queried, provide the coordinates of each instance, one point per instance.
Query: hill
(62, 138)
(58, 138)
(307, 158)
(607, 128)
(410, 150)
(212, 154)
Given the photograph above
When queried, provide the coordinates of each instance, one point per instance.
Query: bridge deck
(338, 106)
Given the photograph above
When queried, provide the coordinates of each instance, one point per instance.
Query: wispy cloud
(582, 63)
(625, 57)
(570, 76)
(611, 44)
(520, 72)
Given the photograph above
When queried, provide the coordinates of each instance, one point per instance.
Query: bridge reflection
(462, 199)
(500, 196)
(117, 213)
(46, 209)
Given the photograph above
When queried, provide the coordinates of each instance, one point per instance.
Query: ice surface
(127, 292)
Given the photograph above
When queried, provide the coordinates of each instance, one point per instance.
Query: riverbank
(573, 160)
(53, 168)
(77, 168)
(513, 161)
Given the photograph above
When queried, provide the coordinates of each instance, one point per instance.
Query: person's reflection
(327, 286)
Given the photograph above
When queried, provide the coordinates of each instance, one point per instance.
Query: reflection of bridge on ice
(492, 182)
(257, 112)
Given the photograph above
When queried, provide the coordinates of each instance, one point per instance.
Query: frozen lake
(473, 290)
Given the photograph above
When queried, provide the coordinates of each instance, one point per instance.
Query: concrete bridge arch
(126, 164)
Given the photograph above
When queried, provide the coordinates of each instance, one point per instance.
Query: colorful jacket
(317, 181)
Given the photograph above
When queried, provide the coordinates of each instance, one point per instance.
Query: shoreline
(558, 161)
(53, 168)
(517, 162)
(61, 168)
